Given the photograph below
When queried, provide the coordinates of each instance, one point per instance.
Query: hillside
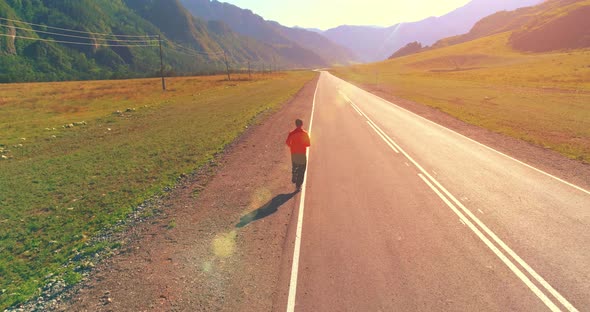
(558, 25)
(408, 49)
(375, 44)
(249, 24)
(552, 25)
(89, 48)
(209, 38)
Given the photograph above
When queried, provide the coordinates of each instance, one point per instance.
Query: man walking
(298, 141)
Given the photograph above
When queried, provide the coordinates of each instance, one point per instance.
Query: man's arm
(288, 141)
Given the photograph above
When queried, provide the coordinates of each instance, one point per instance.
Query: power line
(78, 31)
(131, 42)
(187, 54)
(220, 53)
(73, 36)
(181, 52)
(79, 43)
(192, 50)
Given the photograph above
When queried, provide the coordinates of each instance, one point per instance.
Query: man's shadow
(266, 210)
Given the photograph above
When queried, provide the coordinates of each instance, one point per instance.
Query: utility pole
(226, 65)
(162, 64)
(274, 63)
(249, 70)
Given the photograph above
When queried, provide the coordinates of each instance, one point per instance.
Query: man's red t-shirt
(298, 141)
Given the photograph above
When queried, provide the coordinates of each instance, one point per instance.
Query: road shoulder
(207, 253)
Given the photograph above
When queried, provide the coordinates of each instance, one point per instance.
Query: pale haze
(326, 14)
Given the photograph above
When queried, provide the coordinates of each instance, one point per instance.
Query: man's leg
(300, 174)
(294, 173)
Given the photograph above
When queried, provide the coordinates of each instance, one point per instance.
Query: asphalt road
(401, 214)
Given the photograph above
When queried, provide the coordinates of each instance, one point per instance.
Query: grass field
(543, 98)
(60, 185)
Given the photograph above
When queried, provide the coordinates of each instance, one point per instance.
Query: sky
(325, 14)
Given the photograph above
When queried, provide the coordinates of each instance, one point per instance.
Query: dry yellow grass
(26, 109)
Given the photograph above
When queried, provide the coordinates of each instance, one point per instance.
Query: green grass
(57, 192)
(541, 98)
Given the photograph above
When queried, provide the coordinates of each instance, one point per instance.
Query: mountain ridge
(549, 26)
(375, 44)
(248, 23)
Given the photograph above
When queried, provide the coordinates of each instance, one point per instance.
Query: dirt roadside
(204, 255)
(572, 171)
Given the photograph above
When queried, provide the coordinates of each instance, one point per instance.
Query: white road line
(380, 131)
(498, 253)
(358, 112)
(384, 139)
(297, 249)
(480, 211)
(472, 140)
(358, 109)
(507, 249)
(344, 96)
(350, 102)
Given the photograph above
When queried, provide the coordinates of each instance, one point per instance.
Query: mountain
(368, 42)
(549, 26)
(212, 37)
(315, 30)
(410, 48)
(558, 25)
(375, 44)
(46, 40)
(249, 24)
